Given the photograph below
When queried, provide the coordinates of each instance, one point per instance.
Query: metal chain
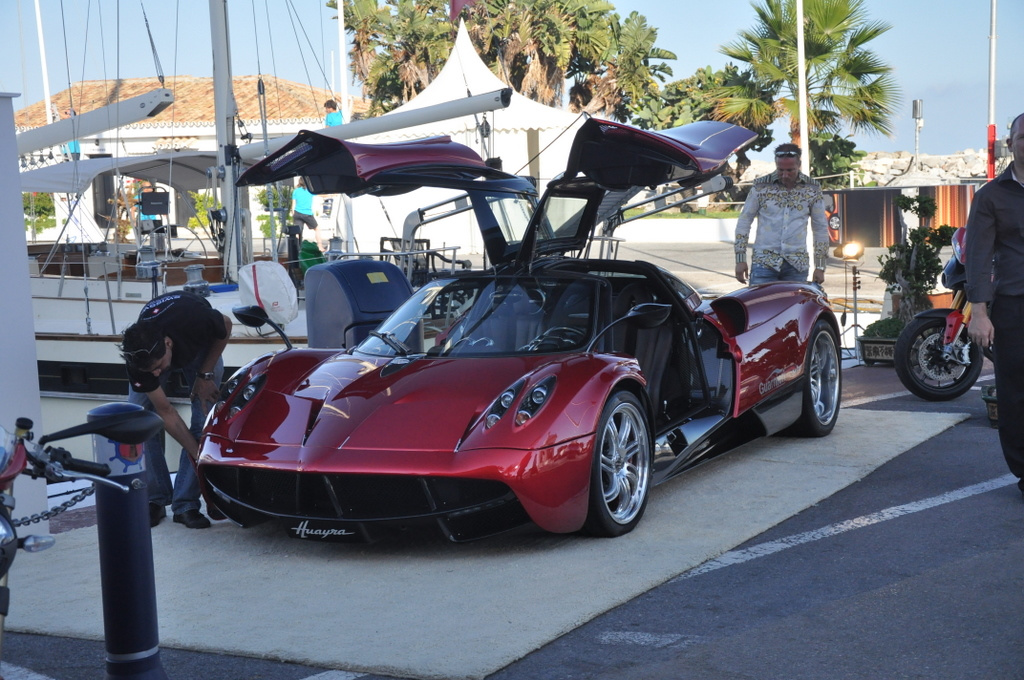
(53, 512)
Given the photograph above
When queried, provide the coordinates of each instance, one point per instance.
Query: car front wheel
(822, 384)
(621, 470)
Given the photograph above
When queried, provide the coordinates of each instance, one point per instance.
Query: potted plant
(912, 268)
(878, 341)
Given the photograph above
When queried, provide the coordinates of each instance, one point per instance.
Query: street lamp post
(918, 112)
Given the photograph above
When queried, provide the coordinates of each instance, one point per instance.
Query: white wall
(19, 380)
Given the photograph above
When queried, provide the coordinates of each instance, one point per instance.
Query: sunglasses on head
(141, 358)
(786, 154)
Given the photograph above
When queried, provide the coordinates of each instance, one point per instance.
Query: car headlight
(529, 405)
(535, 398)
(503, 403)
(240, 393)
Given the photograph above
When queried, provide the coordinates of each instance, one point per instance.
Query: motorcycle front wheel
(924, 369)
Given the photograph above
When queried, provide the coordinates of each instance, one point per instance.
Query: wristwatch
(206, 376)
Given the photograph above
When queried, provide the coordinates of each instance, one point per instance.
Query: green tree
(623, 76)
(398, 47)
(282, 200)
(847, 83)
(832, 158)
(203, 202)
(39, 212)
(534, 46)
(914, 265)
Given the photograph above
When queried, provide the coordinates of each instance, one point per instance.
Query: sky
(939, 50)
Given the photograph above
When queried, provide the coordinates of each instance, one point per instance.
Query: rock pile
(888, 168)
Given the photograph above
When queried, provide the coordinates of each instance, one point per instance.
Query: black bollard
(126, 559)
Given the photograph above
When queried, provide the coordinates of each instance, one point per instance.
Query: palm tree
(618, 81)
(847, 84)
(362, 19)
(397, 47)
(530, 42)
(534, 46)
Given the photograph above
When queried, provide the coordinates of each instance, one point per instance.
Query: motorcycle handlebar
(86, 467)
(61, 457)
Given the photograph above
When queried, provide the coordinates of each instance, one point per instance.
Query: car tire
(822, 390)
(620, 476)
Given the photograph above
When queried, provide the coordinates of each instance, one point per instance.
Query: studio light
(849, 251)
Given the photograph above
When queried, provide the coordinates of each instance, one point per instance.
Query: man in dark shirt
(995, 288)
(175, 331)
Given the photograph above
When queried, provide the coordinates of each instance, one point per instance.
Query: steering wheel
(555, 338)
(537, 297)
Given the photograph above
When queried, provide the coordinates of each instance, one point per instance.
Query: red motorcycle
(934, 356)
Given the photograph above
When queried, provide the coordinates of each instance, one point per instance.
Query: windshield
(492, 316)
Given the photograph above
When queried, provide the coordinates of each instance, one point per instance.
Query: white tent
(528, 137)
(518, 133)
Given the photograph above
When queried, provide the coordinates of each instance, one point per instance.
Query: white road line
(639, 639)
(335, 675)
(850, 403)
(771, 547)
(11, 672)
(654, 640)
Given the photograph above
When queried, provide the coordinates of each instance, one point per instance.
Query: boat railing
(117, 269)
(418, 264)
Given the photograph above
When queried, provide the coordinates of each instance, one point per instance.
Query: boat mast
(237, 243)
(343, 63)
(42, 59)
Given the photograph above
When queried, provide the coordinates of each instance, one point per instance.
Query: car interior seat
(651, 346)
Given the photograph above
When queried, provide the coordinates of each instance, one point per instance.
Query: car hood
(351, 403)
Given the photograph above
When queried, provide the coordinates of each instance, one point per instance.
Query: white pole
(237, 245)
(992, 68)
(801, 65)
(991, 165)
(19, 388)
(346, 111)
(42, 59)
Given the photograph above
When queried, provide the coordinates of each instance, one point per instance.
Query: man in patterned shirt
(782, 202)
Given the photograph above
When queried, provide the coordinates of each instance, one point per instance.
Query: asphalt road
(914, 572)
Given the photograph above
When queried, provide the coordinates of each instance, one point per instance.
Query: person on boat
(178, 330)
(334, 116)
(73, 149)
(303, 211)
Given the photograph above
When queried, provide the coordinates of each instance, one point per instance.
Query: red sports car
(552, 388)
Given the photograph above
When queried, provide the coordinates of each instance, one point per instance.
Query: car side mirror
(255, 316)
(648, 314)
(130, 427)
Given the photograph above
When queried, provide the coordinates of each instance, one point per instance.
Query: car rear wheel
(822, 385)
(621, 470)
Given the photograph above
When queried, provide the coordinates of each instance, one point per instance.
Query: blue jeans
(760, 273)
(185, 494)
